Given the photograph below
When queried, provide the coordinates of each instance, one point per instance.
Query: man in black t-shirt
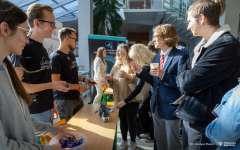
(64, 67)
(33, 66)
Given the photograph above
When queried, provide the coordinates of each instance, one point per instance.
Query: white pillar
(231, 16)
(85, 27)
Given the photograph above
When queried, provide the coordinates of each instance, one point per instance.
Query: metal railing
(177, 7)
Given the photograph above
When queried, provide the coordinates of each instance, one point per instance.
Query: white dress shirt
(166, 53)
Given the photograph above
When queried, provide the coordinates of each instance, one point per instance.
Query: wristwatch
(83, 80)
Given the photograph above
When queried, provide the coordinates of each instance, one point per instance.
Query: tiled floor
(141, 144)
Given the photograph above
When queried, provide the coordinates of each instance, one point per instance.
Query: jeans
(68, 108)
(46, 116)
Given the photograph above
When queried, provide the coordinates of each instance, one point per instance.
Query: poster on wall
(51, 44)
(110, 43)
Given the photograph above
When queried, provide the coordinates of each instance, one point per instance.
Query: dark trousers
(127, 115)
(145, 121)
(194, 138)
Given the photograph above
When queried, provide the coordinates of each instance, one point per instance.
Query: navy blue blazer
(165, 90)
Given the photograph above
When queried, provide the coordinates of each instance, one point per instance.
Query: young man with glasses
(33, 66)
(64, 67)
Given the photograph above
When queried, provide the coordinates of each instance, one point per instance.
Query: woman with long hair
(100, 67)
(140, 54)
(143, 56)
(120, 76)
(17, 128)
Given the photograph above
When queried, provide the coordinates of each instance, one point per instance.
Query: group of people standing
(32, 80)
(201, 80)
(35, 87)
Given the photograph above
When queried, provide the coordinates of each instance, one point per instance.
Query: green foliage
(107, 21)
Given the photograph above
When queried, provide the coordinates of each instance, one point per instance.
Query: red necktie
(161, 61)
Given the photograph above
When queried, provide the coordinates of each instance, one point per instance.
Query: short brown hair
(64, 32)
(168, 33)
(35, 11)
(211, 9)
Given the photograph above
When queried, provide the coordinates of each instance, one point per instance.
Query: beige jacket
(120, 86)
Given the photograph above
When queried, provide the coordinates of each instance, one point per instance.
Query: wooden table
(100, 135)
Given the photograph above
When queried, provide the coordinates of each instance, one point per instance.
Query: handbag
(144, 91)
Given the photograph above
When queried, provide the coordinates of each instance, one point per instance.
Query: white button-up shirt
(166, 53)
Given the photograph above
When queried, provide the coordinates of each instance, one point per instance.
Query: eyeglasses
(28, 33)
(155, 36)
(53, 24)
(73, 38)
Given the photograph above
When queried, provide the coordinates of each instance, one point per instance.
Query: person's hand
(57, 146)
(198, 91)
(60, 86)
(157, 72)
(109, 78)
(103, 83)
(123, 74)
(55, 111)
(61, 129)
(135, 67)
(87, 81)
(121, 104)
(83, 88)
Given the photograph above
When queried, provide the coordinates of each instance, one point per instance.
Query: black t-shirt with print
(65, 65)
(34, 58)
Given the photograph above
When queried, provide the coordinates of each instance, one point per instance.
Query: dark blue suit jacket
(165, 90)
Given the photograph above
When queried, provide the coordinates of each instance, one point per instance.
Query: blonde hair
(168, 33)
(100, 54)
(211, 9)
(126, 60)
(35, 11)
(141, 55)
